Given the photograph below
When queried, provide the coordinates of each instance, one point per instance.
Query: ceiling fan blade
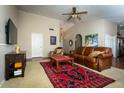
(69, 18)
(67, 14)
(84, 12)
(79, 17)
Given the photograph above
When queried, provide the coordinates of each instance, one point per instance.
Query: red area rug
(74, 76)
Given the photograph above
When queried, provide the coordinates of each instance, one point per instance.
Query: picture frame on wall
(70, 42)
(52, 40)
(91, 40)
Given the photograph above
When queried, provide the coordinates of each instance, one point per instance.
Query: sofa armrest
(104, 56)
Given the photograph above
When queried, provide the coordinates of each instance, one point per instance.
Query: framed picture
(91, 40)
(53, 40)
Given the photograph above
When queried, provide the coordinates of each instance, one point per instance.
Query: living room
(53, 30)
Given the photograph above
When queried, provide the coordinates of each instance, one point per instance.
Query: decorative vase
(17, 49)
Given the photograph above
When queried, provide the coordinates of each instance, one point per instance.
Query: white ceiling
(113, 13)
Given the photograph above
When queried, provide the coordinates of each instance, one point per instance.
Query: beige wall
(110, 29)
(6, 12)
(84, 29)
(29, 23)
(102, 27)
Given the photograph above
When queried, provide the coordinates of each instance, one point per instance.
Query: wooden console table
(15, 64)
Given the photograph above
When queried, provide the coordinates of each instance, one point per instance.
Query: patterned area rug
(75, 76)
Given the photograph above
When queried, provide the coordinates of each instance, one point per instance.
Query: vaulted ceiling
(113, 13)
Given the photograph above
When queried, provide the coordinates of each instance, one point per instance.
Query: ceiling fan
(75, 14)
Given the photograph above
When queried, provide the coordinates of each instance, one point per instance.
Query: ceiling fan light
(74, 16)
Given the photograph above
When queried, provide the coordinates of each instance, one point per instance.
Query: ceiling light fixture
(75, 14)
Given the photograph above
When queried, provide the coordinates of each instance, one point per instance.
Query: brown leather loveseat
(87, 57)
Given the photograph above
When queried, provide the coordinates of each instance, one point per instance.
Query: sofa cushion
(100, 49)
(80, 50)
(80, 57)
(76, 55)
(88, 50)
(104, 49)
(83, 50)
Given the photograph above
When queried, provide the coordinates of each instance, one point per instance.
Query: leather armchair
(56, 52)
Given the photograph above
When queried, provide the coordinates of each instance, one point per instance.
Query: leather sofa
(100, 62)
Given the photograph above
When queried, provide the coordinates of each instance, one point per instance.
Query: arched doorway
(78, 41)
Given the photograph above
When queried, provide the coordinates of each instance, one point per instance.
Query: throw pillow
(95, 53)
(58, 51)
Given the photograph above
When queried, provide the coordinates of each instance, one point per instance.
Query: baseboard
(1, 83)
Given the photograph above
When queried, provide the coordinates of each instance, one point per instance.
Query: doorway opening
(37, 45)
(78, 41)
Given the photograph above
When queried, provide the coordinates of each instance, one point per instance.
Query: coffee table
(59, 59)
